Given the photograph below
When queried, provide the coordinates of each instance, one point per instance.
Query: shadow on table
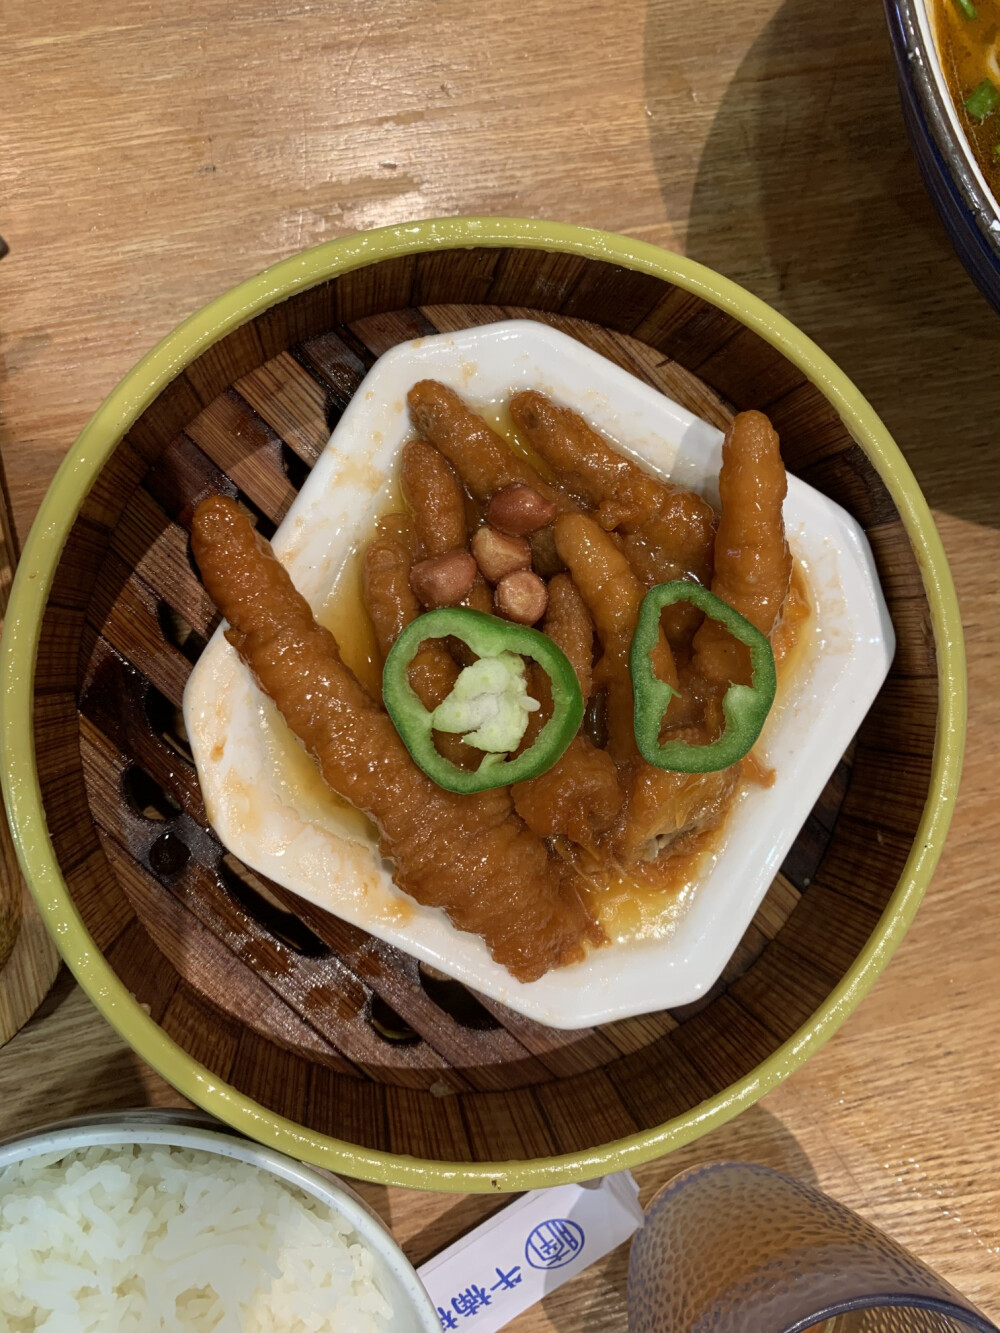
(114, 1079)
(807, 193)
(755, 1136)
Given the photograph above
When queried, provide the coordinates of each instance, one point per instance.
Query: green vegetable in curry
(968, 40)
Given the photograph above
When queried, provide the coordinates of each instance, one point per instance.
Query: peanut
(521, 596)
(544, 556)
(443, 580)
(498, 554)
(519, 509)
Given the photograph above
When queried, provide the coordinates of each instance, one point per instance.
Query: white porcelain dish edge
(320, 855)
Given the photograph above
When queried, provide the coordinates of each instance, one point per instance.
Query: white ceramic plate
(269, 807)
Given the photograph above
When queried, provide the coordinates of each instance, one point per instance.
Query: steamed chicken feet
(437, 504)
(568, 623)
(391, 605)
(470, 855)
(434, 496)
(545, 868)
(480, 456)
(613, 595)
(662, 806)
(753, 565)
(752, 573)
(390, 602)
(665, 810)
(579, 796)
(667, 530)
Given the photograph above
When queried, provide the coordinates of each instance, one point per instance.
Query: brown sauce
(646, 902)
(344, 615)
(498, 416)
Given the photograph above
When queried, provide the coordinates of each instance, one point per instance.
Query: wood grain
(28, 959)
(153, 160)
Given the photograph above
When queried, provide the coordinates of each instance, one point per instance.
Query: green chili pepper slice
(967, 9)
(488, 637)
(983, 100)
(744, 707)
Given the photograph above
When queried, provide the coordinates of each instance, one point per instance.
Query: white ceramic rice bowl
(394, 1275)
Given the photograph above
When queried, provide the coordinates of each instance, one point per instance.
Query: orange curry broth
(970, 52)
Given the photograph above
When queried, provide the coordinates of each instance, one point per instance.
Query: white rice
(129, 1240)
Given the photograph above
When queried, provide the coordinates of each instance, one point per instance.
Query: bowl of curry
(352, 740)
(948, 67)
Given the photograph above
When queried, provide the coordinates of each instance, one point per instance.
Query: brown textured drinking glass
(738, 1248)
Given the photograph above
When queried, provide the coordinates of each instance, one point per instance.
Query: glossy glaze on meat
(470, 855)
(526, 867)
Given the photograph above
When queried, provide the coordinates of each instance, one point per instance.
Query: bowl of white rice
(148, 1220)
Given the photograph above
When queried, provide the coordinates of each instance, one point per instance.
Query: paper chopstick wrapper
(529, 1249)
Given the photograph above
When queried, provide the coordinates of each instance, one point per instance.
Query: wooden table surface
(153, 155)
